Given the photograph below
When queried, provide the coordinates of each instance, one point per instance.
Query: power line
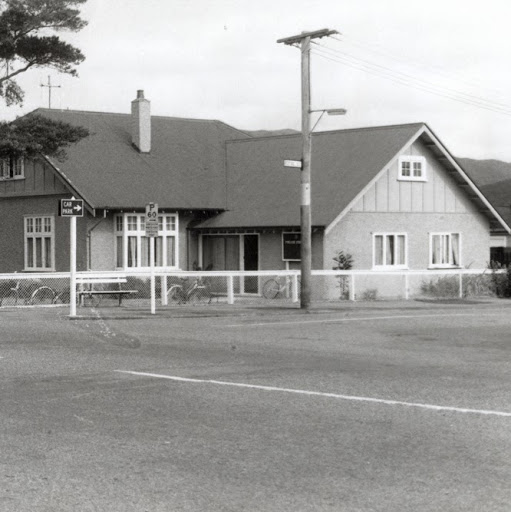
(439, 70)
(406, 76)
(409, 81)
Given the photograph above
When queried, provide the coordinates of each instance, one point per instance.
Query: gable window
(12, 168)
(132, 246)
(444, 250)
(39, 243)
(390, 250)
(412, 168)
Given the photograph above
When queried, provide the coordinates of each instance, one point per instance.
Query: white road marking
(318, 393)
(357, 319)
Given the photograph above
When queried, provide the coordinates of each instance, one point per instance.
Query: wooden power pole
(303, 42)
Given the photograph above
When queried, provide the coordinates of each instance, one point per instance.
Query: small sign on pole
(151, 220)
(151, 231)
(71, 208)
(293, 163)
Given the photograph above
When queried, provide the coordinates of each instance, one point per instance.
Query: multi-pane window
(39, 243)
(412, 168)
(389, 250)
(445, 249)
(12, 168)
(133, 247)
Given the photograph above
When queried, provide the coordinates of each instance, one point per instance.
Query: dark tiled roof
(185, 168)
(262, 192)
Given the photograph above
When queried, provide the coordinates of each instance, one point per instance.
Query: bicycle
(197, 292)
(279, 287)
(27, 295)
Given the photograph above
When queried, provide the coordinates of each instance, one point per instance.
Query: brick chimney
(141, 123)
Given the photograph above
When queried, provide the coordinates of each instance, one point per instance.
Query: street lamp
(329, 112)
(305, 203)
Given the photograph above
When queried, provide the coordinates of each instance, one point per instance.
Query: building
(392, 197)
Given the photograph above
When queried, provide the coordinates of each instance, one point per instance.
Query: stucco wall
(270, 252)
(354, 235)
(102, 243)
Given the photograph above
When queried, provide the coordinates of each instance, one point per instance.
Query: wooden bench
(91, 281)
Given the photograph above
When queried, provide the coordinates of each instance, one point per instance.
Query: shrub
(447, 286)
(343, 262)
(370, 294)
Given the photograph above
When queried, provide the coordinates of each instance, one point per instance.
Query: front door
(251, 262)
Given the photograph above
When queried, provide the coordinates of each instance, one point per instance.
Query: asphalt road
(359, 409)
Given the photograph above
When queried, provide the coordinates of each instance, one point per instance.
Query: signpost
(151, 231)
(291, 246)
(72, 208)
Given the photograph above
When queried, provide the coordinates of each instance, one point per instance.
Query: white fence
(132, 289)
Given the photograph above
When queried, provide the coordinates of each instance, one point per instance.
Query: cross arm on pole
(313, 35)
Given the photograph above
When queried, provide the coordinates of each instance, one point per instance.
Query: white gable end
(438, 193)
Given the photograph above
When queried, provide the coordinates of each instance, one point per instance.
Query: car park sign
(71, 208)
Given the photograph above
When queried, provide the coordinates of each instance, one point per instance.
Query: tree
(27, 40)
(34, 134)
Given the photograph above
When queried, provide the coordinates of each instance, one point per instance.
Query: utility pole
(50, 87)
(303, 42)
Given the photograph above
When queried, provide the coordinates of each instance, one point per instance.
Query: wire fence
(178, 289)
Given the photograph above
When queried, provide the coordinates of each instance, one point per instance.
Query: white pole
(164, 300)
(153, 287)
(72, 267)
(230, 290)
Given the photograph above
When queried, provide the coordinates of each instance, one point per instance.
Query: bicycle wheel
(271, 289)
(175, 295)
(43, 295)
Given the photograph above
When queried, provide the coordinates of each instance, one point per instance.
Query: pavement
(374, 406)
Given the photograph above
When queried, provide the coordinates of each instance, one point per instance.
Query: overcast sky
(395, 61)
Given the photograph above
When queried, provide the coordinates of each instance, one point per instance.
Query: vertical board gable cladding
(438, 194)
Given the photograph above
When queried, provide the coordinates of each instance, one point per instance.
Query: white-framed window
(39, 242)
(12, 168)
(412, 168)
(132, 246)
(444, 250)
(390, 250)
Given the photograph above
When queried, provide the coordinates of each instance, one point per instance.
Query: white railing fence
(177, 289)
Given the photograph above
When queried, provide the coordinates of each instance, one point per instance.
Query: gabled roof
(185, 168)
(262, 192)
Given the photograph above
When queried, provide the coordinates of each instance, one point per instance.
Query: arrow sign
(71, 208)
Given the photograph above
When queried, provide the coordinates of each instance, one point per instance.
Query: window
(132, 247)
(12, 168)
(39, 243)
(412, 168)
(444, 249)
(389, 250)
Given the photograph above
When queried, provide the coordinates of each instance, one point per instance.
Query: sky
(443, 62)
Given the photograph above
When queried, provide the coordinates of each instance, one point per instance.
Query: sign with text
(291, 246)
(151, 220)
(71, 208)
(293, 163)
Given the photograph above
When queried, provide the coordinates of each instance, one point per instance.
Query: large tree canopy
(28, 40)
(34, 134)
